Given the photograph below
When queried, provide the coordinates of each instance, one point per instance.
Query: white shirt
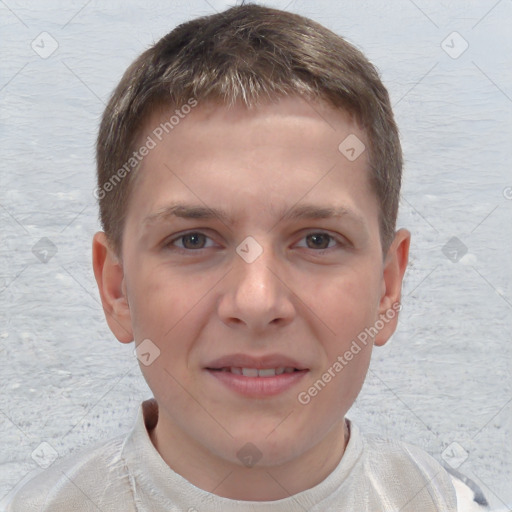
(127, 474)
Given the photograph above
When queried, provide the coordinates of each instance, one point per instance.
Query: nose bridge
(256, 296)
(254, 271)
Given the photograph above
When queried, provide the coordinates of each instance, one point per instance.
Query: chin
(262, 451)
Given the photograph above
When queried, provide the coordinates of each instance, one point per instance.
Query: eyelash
(169, 244)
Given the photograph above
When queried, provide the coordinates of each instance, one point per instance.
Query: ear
(395, 264)
(108, 271)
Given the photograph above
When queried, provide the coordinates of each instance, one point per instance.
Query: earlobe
(395, 265)
(109, 275)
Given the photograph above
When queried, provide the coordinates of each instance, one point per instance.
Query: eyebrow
(302, 212)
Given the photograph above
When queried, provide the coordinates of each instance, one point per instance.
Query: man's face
(295, 295)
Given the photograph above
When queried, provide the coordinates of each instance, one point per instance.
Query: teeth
(249, 372)
(267, 373)
(264, 372)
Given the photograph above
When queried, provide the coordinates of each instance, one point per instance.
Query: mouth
(256, 372)
(248, 365)
(256, 377)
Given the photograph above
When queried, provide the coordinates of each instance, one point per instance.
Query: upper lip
(261, 362)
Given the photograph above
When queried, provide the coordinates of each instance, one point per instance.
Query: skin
(200, 304)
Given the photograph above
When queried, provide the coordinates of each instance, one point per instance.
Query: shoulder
(397, 454)
(405, 466)
(78, 482)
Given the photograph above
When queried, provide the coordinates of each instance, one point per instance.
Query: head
(248, 54)
(233, 126)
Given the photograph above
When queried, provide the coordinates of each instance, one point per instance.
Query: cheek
(161, 300)
(333, 390)
(349, 303)
(170, 310)
(349, 306)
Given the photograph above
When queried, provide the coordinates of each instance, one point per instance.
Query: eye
(194, 240)
(320, 240)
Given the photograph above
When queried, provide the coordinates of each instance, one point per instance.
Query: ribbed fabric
(127, 474)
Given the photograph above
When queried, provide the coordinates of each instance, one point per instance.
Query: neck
(231, 480)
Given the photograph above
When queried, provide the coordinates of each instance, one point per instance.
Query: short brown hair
(247, 53)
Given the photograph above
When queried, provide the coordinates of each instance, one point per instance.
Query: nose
(256, 294)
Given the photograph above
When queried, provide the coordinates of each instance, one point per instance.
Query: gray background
(442, 383)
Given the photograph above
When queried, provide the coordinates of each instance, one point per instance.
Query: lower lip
(258, 387)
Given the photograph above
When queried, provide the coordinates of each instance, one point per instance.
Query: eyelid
(331, 239)
(339, 239)
(168, 242)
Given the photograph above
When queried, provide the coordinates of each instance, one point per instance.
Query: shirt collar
(156, 485)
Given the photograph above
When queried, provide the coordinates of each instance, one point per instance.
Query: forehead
(306, 124)
(277, 155)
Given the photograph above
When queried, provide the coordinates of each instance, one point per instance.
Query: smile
(256, 382)
(257, 372)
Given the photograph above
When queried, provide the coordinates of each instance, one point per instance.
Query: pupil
(319, 240)
(319, 237)
(195, 238)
